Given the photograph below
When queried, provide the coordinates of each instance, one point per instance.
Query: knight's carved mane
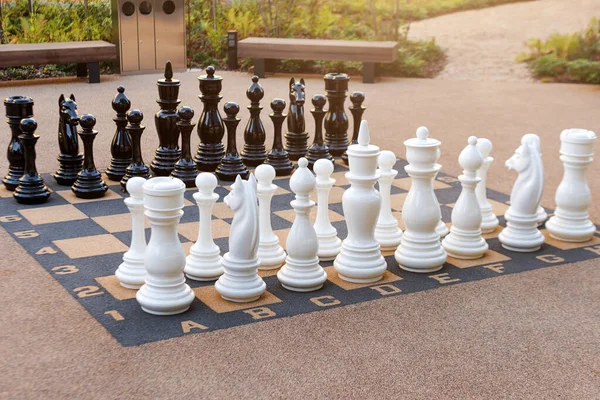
(243, 237)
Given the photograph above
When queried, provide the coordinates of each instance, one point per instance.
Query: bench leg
(82, 70)
(259, 67)
(369, 72)
(94, 72)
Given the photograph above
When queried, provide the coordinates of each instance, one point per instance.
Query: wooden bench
(370, 53)
(86, 55)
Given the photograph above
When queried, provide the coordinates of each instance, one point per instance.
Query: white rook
(571, 221)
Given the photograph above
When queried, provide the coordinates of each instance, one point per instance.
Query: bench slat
(12, 55)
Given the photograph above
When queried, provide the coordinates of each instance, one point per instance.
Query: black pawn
(254, 135)
(70, 159)
(278, 158)
(120, 148)
(318, 149)
(296, 137)
(231, 166)
(89, 183)
(17, 108)
(167, 153)
(336, 120)
(137, 166)
(186, 168)
(31, 188)
(357, 110)
(210, 127)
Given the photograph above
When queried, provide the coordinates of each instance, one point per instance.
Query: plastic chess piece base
(302, 276)
(282, 164)
(230, 167)
(465, 245)
(69, 169)
(317, 152)
(329, 246)
(570, 228)
(209, 156)
(521, 233)
(388, 236)
(164, 161)
(117, 169)
(360, 264)
(489, 221)
(203, 265)
(11, 180)
(254, 155)
(32, 191)
(421, 253)
(542, 215)
(186, 171)
(132, 272)
(297, 145)
(240, 282)
(442, 229)
(140, 170)
(270, 254)
(165, 298)
(89, 186)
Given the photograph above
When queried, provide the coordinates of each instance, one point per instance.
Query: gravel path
(482, 44)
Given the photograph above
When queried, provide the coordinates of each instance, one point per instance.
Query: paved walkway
(483, 44)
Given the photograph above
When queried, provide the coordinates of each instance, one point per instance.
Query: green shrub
(584, 71)
(548, 66)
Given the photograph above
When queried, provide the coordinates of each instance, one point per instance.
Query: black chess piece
(31, 188)
(186, 168)
(137, 166)
(210, 126)
(318, 149)
(17, 108)
(296, 136)
(167, 152)
(254, 152)
(357, 111)
(278, 158)
(231, 166)
(70, 159)
(120, 148)
(336, 120)
(89, 183)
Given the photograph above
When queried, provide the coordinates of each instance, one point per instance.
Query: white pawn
(301, 271)
(464, 240)
(270, 253)
(329, 243)
(489, 221)
(571, 221)
(240, 281)
(132, 272)
(204, 261)
(521, 233)
(387, 233)
(165, 291)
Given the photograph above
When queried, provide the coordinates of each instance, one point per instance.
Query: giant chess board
(81, 244)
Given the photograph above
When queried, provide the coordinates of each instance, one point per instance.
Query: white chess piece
(204, 261)
(420, 249)
(571, 221)
(301, 271)
(360, 259)
(489, 221)
(240, 281)
(521, 233)
(464, 240)
(270, 253)
(165, 291)
(542, 216)
(329, 243)
(387, 233)
(132, 272)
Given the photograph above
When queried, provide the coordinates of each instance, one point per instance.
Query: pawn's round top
(206, 182)
(278, 105)
(422, 133)
(357, 98)
(210, 71)
(386, 160)
(87, 121)
(470, 159)
(121, 102)
(121, 89)
(265, 174)
(28, 125)
(135, 187)
(484, 146)
(231, 109)
(186, 112)
(255, 92)
(302, 181)
(135, 116)
(319, 100)
(323, 168)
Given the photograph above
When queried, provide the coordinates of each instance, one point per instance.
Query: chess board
(81, 244)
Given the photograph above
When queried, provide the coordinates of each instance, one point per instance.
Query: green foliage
(566, 57)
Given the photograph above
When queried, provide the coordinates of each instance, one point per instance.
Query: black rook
(120, 148)
(336, 120)
(89, 183)
(17, 108)
(31, 188)
(210, 127)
